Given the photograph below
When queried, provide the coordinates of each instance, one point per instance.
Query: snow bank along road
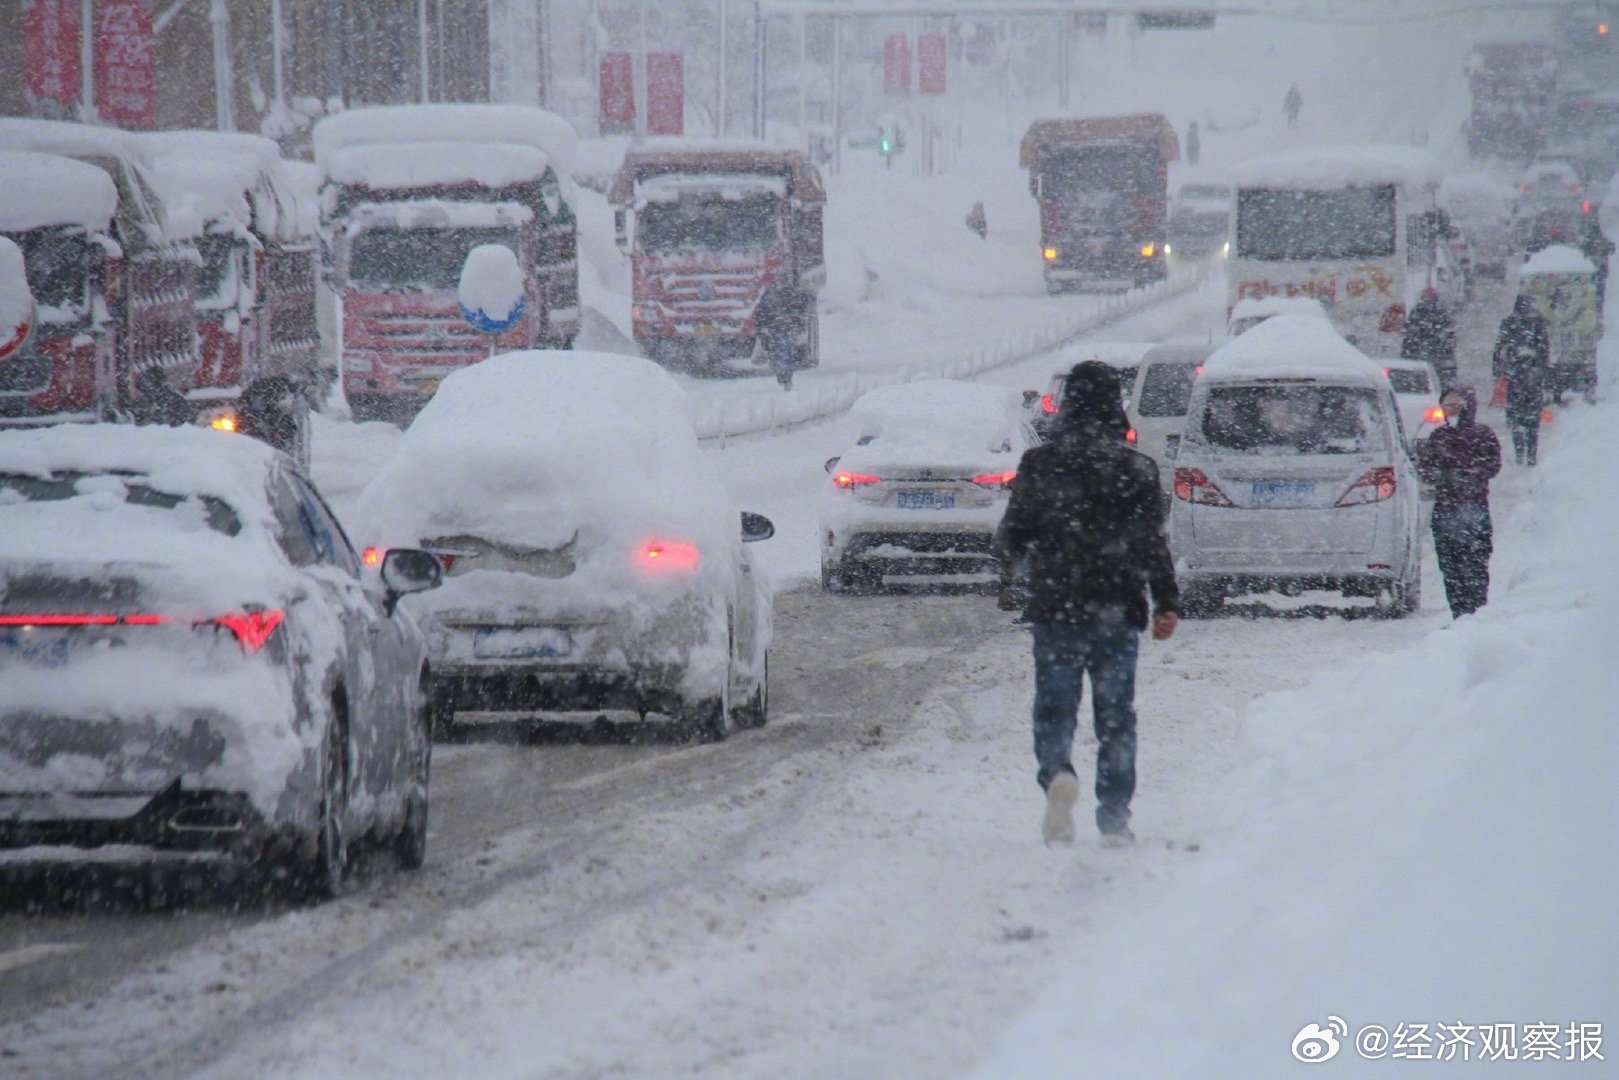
(856, 889)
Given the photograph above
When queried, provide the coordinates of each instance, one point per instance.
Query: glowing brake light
(1130, 436)
(661, 556)
(1434, 415)
(252, 628)
(1585, 206)
(996, 480)
(1194, 486)
(372, 556)
(1375, 485)
(847, 480)
(224, 422)
(1048, 404)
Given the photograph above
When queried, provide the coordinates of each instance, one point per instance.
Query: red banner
(126, 67)
(665, 94)
(931, 54)
(50, 34)
(617, 108)
(897, 64)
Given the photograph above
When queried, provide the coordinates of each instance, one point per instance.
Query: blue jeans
(1063, 653)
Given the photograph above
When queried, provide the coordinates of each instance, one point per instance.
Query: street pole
(1062, 63)
(87, 63)
(837, 96)
(725, 56)
(278, 34)
(421, 46)
(224, 81)
(758, 71)
(803, 80)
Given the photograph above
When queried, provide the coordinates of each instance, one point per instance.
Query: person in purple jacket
(1459, 461)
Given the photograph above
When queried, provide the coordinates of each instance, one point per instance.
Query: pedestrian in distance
(977, 221)
(1086, 515)
(1459, 461)
(1523, 357)
(1291, 104)
(1430, 334)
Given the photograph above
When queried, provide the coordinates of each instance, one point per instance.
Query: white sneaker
(1061, 795)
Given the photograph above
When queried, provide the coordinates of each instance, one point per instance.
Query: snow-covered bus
(1332, 224)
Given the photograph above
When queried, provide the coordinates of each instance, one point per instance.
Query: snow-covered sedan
(1416, 388)
(191, 658)
(594, 560)
(921, 492)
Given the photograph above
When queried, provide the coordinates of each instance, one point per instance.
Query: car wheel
(757, 710)
(410, 846)
(326, 873)
(1200, 602)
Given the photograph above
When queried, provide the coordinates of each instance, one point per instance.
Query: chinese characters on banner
(897, 64)
(50, 31)
(126, 72)
(931, 53)
(665, 94)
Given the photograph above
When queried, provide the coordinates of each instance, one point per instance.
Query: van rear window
(1294, 419)
(1166, 390)
(1406, 381)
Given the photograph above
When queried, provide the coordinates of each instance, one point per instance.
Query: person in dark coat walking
(1086, 515)
(1459, 461)
(1291, 104)
(269, 412)
(1430, 334)
(1523, 356)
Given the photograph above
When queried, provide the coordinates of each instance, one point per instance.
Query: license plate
(923, 499)
(36, 647)
(1282, 492)
(522, 643)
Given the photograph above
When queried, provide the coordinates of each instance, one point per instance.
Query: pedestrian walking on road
(1087, 515)
(1430, 334)
(1291, 104)
(1459, 461)
(1523, 356)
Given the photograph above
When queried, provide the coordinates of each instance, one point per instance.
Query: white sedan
(921, 492)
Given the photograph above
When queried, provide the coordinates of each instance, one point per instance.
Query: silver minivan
(1293, 475)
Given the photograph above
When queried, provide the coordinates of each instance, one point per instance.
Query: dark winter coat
(156, 402)
(1087, 515)
(1460, 461)
(1523, 355)
(1430, 334)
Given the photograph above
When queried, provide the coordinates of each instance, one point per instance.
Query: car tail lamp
(1585, 206)
(669, 556)
(251, 628)
(1048, 404)
(372, 556)
(847, 480)
(997, 479)
(1434, 415)
(1131, 437)
(1374, 486)
(1194, 486)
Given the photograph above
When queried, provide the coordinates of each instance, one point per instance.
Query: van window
(1167, 389)
(1294, 419)
(1407, 381)
(1296, 225)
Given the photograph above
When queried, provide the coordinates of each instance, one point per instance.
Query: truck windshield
(1131, 171)
(749, 224)
(426, 259)
(59, 263)
(1293, 224)
(1293, 419)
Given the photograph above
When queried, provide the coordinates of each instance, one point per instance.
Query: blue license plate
(923, 499)
(522, 643)
(1283, 492)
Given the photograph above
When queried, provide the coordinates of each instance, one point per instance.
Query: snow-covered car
(192, 659)
(1416, 388)
(1249, 313)
(921, 492)
(1199, 220)
(1122, 356)
(594, 558)
(1292, 476)
(1158, 400)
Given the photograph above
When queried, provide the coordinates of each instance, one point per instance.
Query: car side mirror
(756, 527)
(1031, 398)
(832, 463)
(409, 570)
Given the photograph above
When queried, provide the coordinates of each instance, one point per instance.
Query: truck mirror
(621, 232)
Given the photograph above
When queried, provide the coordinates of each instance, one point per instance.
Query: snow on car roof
(1265, 307)
(1557, 259)
(435, 164)
(1290, 346)
(519, 125)
(939, 411)
(43, 189)
(1341, 166)
(531, 448)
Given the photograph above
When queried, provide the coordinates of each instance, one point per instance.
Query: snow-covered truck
(1513, 84)
(1103, 187)
(115, 286)
(727, 254)
(407, 192)
(255, 221)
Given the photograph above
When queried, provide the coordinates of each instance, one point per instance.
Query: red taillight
(1048, 404)
(1374, 486)
(1194, 486)
(59, 620)
(1130, 436)
(1434, 415)
(847, 480)
(1585, 206)
(996, 479)
(252, 628)
(662, 556)
(372, 556)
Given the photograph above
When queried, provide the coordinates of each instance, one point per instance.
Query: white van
(1292, 474)
(1157, 401)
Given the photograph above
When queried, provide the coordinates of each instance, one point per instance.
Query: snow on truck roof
(1341, 166)
(641, 166)
(1290, 346)
(393, 125)
(41, 190)
(1079, 131)
(1557, 259)
(435, 164)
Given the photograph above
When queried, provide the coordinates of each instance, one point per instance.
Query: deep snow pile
(1421, 837)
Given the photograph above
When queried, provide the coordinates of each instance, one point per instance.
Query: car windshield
(1293, 224)
(1166, 390)
(1408, 381)
(127, 487)
(1295, 418)
(711, 224)
(59, 263)
(418, 258)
